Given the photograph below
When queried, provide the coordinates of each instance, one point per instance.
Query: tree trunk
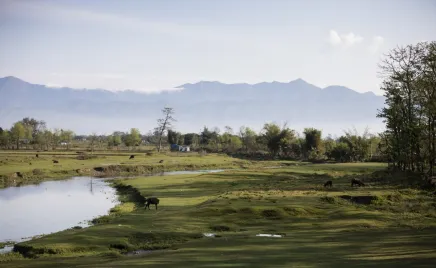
(433, 146)
(160, 143)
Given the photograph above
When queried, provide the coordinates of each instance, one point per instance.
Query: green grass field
(320, 229)
(33, 169)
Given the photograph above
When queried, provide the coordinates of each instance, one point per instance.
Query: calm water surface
(52, 206)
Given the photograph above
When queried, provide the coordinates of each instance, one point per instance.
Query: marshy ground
(387, 225)
(23, 167)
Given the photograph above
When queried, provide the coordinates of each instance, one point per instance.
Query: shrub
(120, 246)
(86, 157)
(37, 172)
(378, 200)
(220, 228)
(329, 199)
(297, 211)
(102, 219)
(272, 214)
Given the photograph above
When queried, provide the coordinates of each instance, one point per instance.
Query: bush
(37, 172)
(272, 214)
(378, 200)
(297, 211)
(10, 257)
(220, 228)
(120, 246)
(86, 157)
(329, 199)
(102, 219)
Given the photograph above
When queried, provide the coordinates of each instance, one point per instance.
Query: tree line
(409, 85)
(33, 133)
(273, 141)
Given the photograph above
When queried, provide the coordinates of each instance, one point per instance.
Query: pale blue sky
(154, 45)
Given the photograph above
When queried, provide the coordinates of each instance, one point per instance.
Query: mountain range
(206, 103)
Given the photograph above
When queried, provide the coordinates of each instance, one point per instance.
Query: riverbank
(29, 210)
(318, 226)
(25, 168)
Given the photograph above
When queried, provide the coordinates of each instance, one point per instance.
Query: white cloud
(335, 39)
(351, 39)
(376, 44)
(344, 40)
(53, 85)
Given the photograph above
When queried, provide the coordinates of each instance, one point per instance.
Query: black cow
(153, 201)
(328, 183)
(161, 161)
(132, 156)
(55, 162)
(357, 182)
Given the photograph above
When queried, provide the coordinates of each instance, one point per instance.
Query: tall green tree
(114, 140)
(5, 139)
(313, 142)
(248, 138)
(277, 139)
(205, 136)
(173, 136)
(67, 136)
(18, 132)
(133, 138)
(191, 139)
(33, 127)
(409, 87)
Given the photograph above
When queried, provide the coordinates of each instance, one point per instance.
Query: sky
(157, 45)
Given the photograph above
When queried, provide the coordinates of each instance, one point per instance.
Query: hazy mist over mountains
(212, 104)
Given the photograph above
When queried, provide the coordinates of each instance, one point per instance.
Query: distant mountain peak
(12, 78)
(299, 80)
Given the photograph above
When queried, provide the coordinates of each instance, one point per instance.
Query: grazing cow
(357, 182)
(37, 155)
(161, 161)
(328, 183)
(153, 201)
(55, 162)
(132, 156)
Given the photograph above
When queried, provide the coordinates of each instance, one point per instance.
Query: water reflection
(52, 206)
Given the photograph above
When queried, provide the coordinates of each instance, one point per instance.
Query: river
(53, 206)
